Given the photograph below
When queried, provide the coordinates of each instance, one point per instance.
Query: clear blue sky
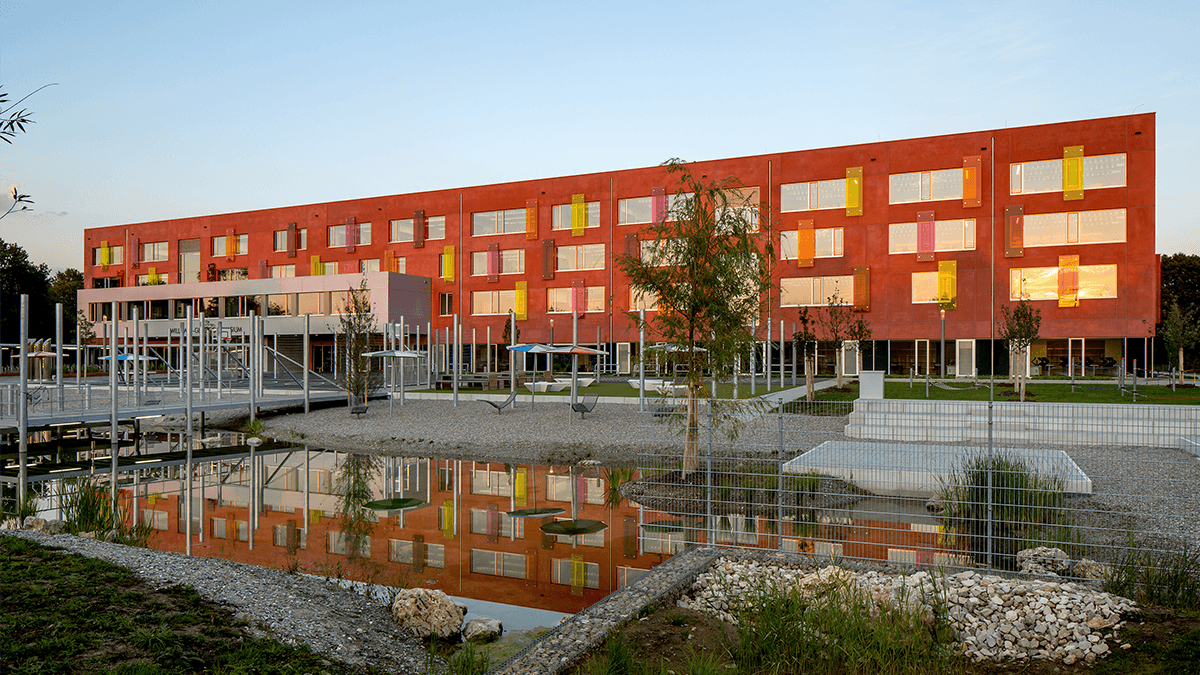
(168, 109)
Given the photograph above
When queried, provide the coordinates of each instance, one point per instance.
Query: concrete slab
(909, 470)
(1190, 444)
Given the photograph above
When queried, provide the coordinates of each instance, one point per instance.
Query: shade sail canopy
(394, 504)
(531, 348)
(535, 513)
(673, 348)
(128, 357)
(396, 354)
(571, 528)
(576, 349)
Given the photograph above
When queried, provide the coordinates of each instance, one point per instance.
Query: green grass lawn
(70, 614)
(1035, 391)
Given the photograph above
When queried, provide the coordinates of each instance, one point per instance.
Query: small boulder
(483, 630)
(1090, 569)
(1043, 560)
(34, 523)
(427, 613)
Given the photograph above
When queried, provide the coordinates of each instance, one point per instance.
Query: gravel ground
(290, 608)
(546, 434)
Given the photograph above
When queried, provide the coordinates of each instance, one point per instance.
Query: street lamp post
(942, 355)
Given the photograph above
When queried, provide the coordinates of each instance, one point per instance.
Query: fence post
(779, 517)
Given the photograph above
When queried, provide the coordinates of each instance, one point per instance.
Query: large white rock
(1043, 560)
(483, 630)
(427, 613)
(34, 523)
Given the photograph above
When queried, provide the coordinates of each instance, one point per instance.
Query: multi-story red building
(1061, 214)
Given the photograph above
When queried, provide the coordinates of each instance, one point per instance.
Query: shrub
(1157, 577)
(1026, 507)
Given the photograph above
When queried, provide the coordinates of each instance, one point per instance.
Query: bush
(1026, 507)
(1165, 578)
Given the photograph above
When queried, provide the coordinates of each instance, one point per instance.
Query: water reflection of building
(461, 538)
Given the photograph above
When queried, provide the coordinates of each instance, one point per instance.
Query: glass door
(966, 357)
(1076, 354)
(850, 359)
(923, 358)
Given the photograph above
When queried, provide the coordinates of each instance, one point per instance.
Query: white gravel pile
(993, 618)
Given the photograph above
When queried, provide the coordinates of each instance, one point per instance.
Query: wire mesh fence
(933, 483)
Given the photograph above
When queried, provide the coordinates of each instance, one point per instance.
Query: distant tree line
(19, 275)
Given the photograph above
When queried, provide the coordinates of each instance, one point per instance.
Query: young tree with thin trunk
(804, 337)
(1179, 332)
(835, 324)
(356, 325)
(1019, 327)
(706, 267)
(859, 332)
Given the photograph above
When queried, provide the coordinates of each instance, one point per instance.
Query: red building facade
(1061, 214)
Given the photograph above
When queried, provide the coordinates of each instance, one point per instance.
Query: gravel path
(290, 608)
(546, 434)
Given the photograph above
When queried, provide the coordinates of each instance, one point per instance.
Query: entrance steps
(1057, 423)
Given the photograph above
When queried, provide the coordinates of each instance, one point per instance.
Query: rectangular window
(280, 534)
(336, 543)
(400, 551)
(116, 256)
(646, 300)
(501, 526)
(329, 268)
(283, 271)
(235, 274)
(635, 211)
(281, 240)
(816, 291)
(484, 303)
(498, 563)
(588, 490)
(337, 235)
(155, 252)
(368, 265)
(1083, 227)
(628, 575)
(587, 574)
(1099, 171)
(220, 247)
(663, 542)
(948, 235)
(445, 304)
(510, 261)
(1041, 283)
(824, 194)
(923, 186)
(561, 216)
(584, 257)
(924, 288)
(400, 230)
(560, 300)
(828, 243)
(511, 221)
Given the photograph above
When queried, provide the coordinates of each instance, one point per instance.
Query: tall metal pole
(942, 349)
(512, 361)
(23, 406)
(137, 389)
(112, 403)
(220, 344)
(753, 366)
(452, 343)
(187, 437)
(58, 351)
(642, 360)
(254, 369)
(992, 341)
(307, 327)
(574, 358)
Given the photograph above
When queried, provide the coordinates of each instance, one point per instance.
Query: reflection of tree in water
(354, 485)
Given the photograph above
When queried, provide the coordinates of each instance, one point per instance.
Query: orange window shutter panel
(578, 215)
(531, 220)
(972, 182)
(806, 243)
(1068, 281)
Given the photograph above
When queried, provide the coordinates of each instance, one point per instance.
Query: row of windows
(1039, 230)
